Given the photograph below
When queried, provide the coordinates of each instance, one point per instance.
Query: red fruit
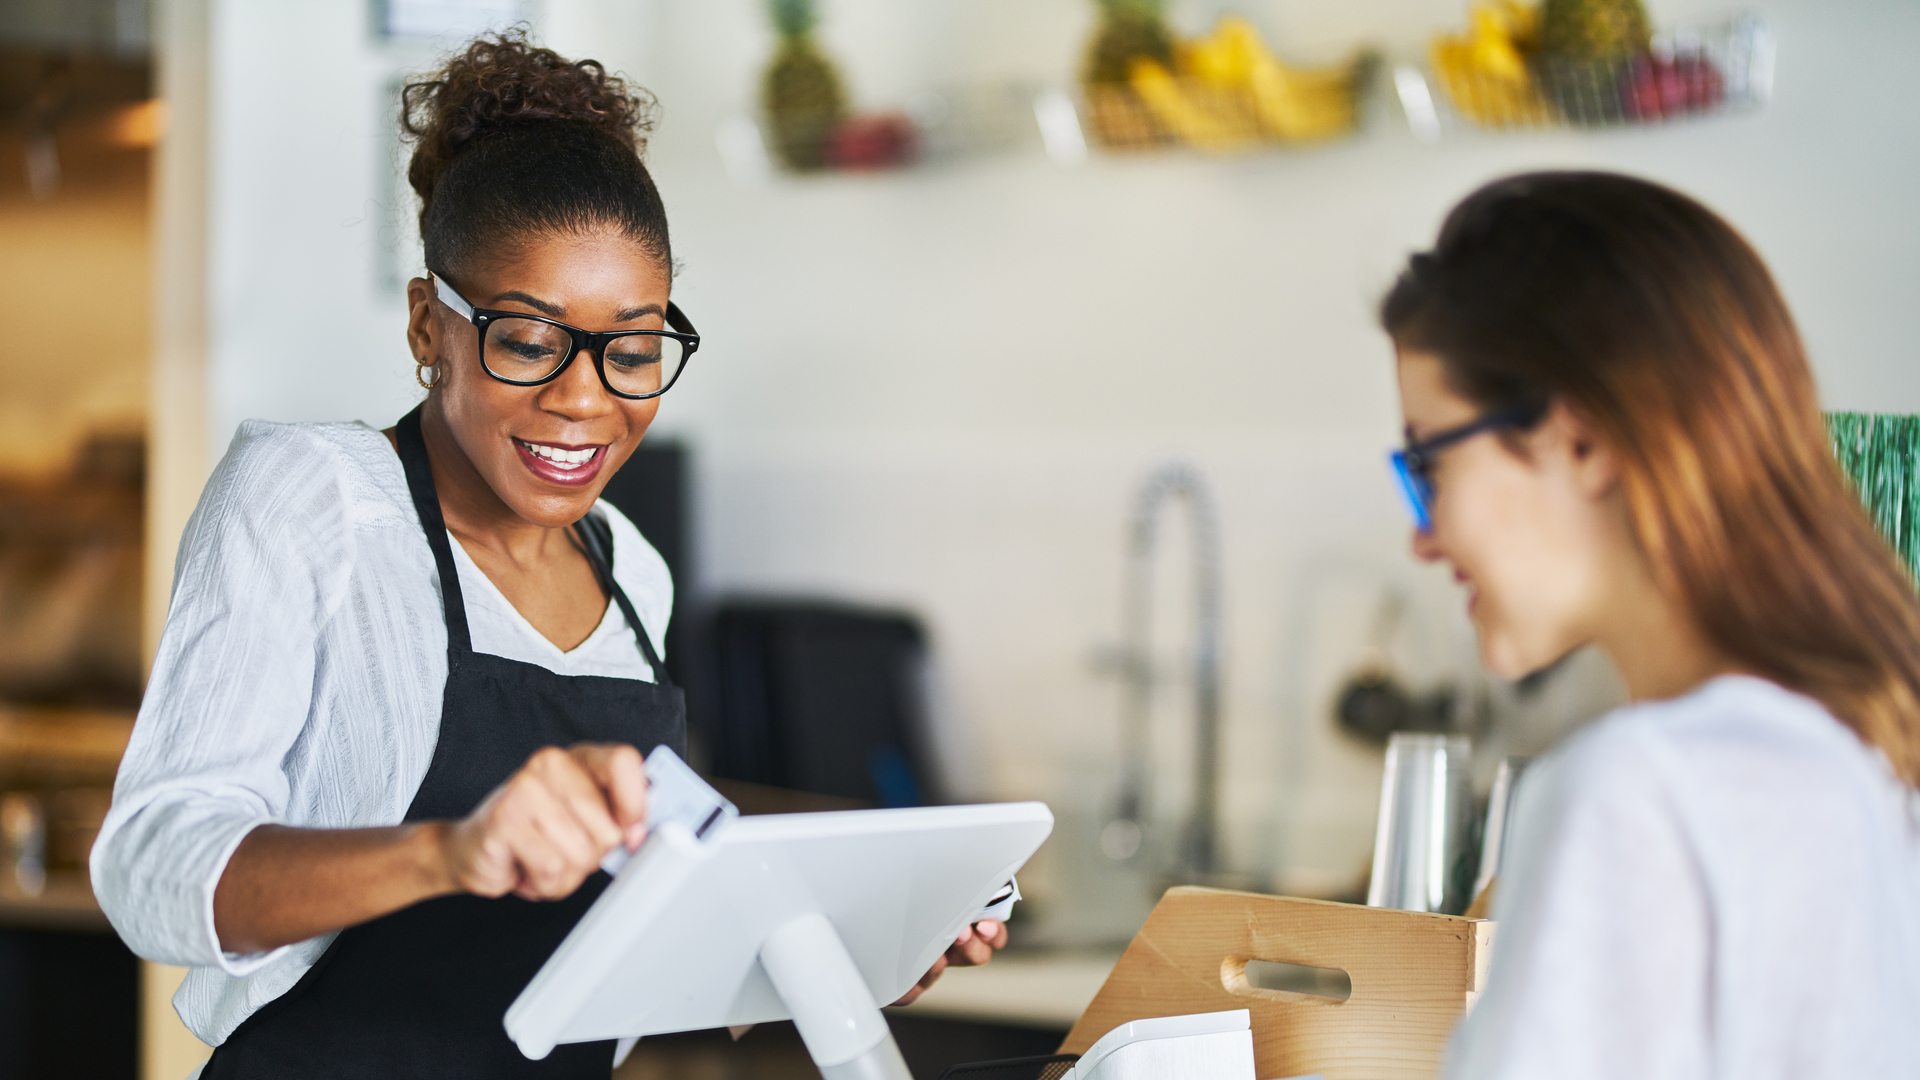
(1705, 86)
(1660, 88)
(879, 141)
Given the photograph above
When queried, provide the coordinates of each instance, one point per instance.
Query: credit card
(1001, 905)
(676, 793)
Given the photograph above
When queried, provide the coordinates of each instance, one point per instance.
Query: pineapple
(1129, 31)
(1595, 29)
(1586, 50)
(801, 91)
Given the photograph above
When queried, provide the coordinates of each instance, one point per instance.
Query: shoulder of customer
(1732, 783)
(1737, 746)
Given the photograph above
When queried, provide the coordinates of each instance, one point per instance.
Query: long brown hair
(1657, 323)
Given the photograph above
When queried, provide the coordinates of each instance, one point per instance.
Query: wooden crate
(1413, 976)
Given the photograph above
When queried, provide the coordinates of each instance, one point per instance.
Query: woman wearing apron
(408, 677)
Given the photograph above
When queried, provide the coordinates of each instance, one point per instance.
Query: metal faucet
(1199, 855)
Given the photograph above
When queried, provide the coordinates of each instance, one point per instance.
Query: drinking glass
(1420, 845)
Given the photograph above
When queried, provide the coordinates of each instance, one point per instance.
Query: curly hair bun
(510, 138)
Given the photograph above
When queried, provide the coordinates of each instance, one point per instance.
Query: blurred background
(1040, 413)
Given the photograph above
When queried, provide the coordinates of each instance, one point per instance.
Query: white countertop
(1026, 989)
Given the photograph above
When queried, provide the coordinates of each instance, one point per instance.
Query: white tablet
(674, 943)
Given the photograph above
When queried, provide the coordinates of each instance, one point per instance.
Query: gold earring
(418, 377)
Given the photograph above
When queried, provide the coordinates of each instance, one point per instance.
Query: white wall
(305, 322)
(939, 387)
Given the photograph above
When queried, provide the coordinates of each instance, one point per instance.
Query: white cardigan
(299, 682)
(1724, 885)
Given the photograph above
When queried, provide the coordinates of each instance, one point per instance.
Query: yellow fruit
(1493, 50)
(1201, 123)
(1289, 109)
(1486, 98)
(1485, 72)
(1238, 39)
(1291, 103)
(1298, 104)
(1219, 59)
(1235, 90)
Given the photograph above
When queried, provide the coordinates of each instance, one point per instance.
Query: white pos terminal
(820, 918)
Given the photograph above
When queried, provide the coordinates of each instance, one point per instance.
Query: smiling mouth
(565, 459)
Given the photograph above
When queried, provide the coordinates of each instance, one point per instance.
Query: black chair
(815, 696)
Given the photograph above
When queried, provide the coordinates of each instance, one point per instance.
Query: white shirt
(1724, 885)
(299, 682)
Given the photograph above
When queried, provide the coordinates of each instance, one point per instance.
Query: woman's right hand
(537, 836)
(548, 826)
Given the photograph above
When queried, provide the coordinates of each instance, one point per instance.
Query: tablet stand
(814, 917)
(831, 1005)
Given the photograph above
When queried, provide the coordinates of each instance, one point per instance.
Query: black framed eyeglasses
(1413, 465)
(529, 350)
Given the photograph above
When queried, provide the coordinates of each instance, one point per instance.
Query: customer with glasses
(399, 709)
(1614, 439)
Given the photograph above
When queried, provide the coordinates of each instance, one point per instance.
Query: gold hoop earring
(418, 377)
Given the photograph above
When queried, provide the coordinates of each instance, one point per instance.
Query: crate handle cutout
(1279, 981)
(1411, 976)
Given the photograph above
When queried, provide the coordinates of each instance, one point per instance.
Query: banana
(1235, 91)
(1192, 121)
(1220, 59)
(1290, 103)
(1293, 108)
(1485, 73)
(1493, 50)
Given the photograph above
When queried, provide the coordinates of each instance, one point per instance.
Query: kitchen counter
(1024, 989)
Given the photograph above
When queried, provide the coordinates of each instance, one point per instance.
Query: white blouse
(299, 682)
(1723, 885)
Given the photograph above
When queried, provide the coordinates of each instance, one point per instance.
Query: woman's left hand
(975, 946)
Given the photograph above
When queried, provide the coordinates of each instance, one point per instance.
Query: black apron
(423, 992)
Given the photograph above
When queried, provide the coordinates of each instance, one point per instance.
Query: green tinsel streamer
(1881, 454)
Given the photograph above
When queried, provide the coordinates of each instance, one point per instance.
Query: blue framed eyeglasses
(1413, 465)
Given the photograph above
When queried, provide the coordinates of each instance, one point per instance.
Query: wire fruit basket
(1172, 111)
(1225, 91)
(1694, 72)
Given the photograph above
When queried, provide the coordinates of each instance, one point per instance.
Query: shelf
(935, 126)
